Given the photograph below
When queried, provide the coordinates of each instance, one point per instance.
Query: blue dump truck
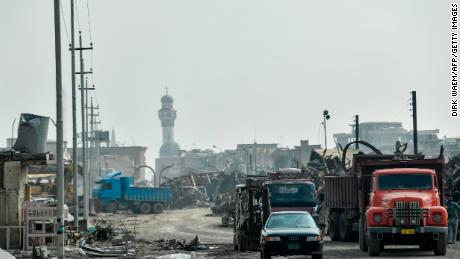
(117, 192)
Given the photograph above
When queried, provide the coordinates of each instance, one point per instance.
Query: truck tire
(440, 246)
(158, 208)
(334, 226)
(362, 236)
(317, 257)
(111, 207)
(373, 245)
(345, 228)
(145, 208)
(264, 255)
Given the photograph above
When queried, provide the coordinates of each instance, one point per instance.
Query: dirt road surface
(186, 224)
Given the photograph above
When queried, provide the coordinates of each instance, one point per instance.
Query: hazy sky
(237, 70)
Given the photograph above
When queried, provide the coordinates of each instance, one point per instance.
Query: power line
(78, 18)
(65, 23)
(90, 38)
(89, 21)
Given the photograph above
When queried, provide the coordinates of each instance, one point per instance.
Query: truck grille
(407, 213)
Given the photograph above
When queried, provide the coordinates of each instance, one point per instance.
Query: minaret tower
(167, 115)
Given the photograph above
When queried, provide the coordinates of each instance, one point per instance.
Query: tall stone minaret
(167, 115)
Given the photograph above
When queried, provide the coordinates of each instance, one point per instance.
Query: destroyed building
(383, 135)
(108, 157)
(452, 146)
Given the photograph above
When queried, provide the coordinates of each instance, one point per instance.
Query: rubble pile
(189, 198)
(177, 244)
(224, 204)
(204, 190)
(108, 238)
(453, 177)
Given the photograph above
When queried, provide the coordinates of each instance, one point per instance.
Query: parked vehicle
(389, 199)
(291, 233)
(289, 189)
(248, 216)
(284, 190)
(117, 192)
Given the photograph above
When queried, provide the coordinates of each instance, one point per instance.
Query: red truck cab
(405, 208)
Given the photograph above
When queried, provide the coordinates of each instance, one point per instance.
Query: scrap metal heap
(204, 190)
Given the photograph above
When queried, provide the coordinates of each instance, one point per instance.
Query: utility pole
(357, 132)
(88, 141)
(83, 133)
(87, 137)
(326, 116)
(59, 130)
(98, 146)
(414, 120)
(92, 161)
(74, 116)
(254, 153)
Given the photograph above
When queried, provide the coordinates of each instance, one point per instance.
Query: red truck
(387, 200)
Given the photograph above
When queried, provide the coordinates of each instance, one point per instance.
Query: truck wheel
(317, 257)
(158, 208)
(334, 226)
(264, 255)
(345, 228)
(374, 245)
(441, 244)
(145, 208)
(111, 207)
(362, 236)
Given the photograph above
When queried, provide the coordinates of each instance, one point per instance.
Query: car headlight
(437, 217)
(271, 238)
(313, 238)
(377, 218)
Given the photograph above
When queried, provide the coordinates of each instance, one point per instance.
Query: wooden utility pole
(59, 130)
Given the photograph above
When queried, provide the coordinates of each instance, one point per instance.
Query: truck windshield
(292, 195)
(405, 181)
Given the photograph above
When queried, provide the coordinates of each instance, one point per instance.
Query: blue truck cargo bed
(148, 194)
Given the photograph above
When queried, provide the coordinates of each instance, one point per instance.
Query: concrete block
(12, 175)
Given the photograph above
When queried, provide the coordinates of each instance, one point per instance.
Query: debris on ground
(178, 244)
(175, 256)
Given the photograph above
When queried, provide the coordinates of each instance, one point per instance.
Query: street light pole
(326, 116)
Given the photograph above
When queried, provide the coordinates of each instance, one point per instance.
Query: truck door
(110, 190)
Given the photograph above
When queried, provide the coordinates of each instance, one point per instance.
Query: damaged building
(383, 135)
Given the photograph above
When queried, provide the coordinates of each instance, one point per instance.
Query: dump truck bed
(162, 194)
(341, 191)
